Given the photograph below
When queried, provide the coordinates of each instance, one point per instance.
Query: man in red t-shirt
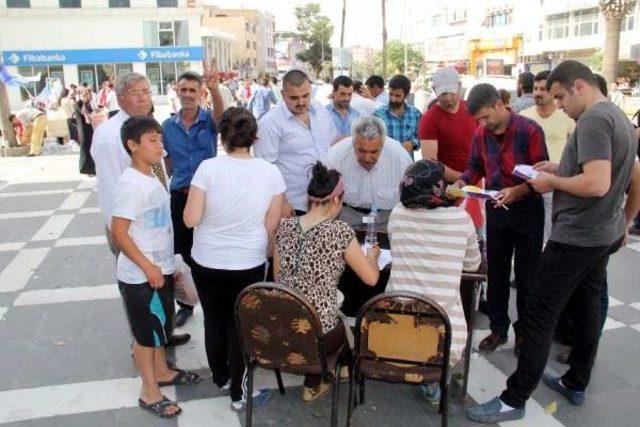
(446, 130)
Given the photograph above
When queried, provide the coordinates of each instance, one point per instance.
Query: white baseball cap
(446, 80)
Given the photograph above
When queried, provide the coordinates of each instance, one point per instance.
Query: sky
(363, 23)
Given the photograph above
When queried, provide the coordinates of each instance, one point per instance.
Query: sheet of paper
(383, 260)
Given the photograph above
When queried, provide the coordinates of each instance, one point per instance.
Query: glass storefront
(51, 72)
(95, 74)
(160, 74)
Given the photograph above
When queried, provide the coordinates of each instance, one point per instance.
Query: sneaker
(225, 390)
(311, 394)
(260, 398)
(182, 316)
(489, 412)
(576, 398)
(430, 392)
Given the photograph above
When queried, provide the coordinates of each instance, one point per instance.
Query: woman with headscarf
(427, 219)
(310, 255)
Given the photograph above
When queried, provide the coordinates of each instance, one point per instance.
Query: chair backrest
(402, 337)
(279, 329)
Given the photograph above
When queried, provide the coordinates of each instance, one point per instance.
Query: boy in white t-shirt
(141, 228)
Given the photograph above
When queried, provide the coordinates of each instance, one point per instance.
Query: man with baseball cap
(446, 131)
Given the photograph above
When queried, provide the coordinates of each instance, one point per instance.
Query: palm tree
(614, 11)
(384, 40)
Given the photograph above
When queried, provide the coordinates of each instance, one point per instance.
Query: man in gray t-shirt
(603, 133)
(589, 224)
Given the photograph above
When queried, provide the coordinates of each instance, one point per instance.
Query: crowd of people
(299, 178)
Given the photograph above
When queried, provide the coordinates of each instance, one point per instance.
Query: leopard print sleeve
(345, 234)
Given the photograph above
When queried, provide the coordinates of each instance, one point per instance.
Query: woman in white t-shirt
(234, 204)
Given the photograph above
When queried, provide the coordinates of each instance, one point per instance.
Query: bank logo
(14, 58)
(142, 55)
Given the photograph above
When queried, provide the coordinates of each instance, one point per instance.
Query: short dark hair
(274, 80)
(400, 82)
(191, 76)
(135, 126)
(602, 84)
(238, 128)
(295, 78)
(341, 81)
(505, 96)
(542, 75)
(11, 116)
(482, 95)
(526, 80)
(357, 85)
(323, 181)
(567, 72)
(375, 81)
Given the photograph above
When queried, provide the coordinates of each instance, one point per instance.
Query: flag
(14, 79)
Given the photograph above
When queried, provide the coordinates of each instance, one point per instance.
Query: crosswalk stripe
(68, 399)
(62, 295)
(53, 228)
(81, 241)
(16, 275)
(34, 193)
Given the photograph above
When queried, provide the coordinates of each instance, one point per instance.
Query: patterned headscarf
(423, 186)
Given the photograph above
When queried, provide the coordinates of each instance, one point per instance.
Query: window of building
(248, 44)
(181, 29)
(585, 22)
(165, 33)
(70, 3)
(558, 26)
(628, 23)
(499, 19)
(167, 3)
(160, 74)
(254, 45)
(540, 32)
(18, 3)
(458, 16)
(119, 3)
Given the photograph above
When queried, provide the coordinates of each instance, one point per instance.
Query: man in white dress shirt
(134, 98)
(111, 159)
(294, 135)
(372, 166)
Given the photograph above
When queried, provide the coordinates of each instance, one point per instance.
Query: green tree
(395, 58)
(314, 32)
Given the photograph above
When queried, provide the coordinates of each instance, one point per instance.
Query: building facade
(254, 32)
(89, 41)
(482, 37)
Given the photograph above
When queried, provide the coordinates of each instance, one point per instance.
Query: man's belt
(365, 211)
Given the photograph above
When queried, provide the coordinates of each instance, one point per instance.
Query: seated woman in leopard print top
(310, 255)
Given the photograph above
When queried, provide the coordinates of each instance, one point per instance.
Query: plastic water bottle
(371, 238)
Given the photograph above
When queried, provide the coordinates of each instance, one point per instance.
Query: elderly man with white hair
(372, 165)
(134, 97)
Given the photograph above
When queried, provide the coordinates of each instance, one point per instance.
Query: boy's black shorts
(148, 311)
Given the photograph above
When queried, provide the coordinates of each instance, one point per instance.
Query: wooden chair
(402, 337)
(280, 330)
